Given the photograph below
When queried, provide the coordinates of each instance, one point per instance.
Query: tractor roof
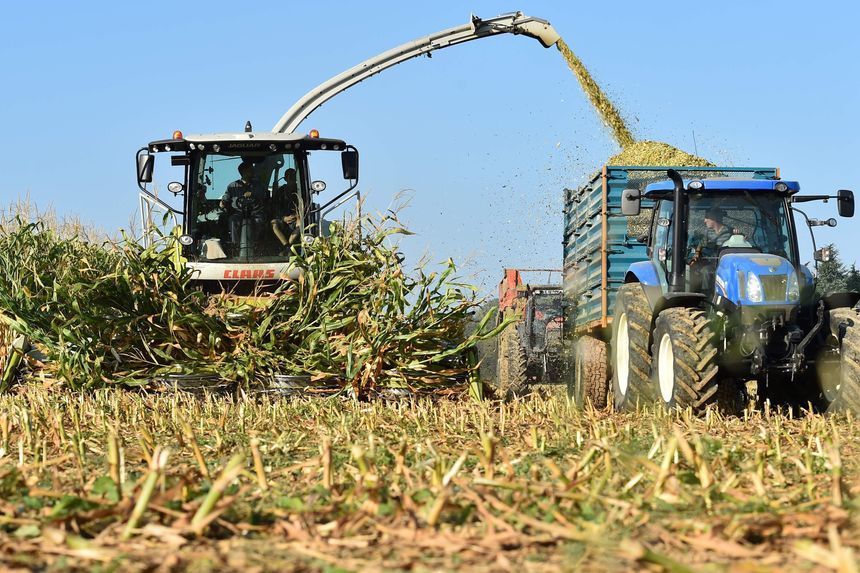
(726, 184)
(247, 141)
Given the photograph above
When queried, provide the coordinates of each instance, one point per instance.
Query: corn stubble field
(134, 481)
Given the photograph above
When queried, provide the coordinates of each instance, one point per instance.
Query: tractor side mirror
(823, 255)
(349, 162)
(146, 162)
(630, 202)
(845, 203)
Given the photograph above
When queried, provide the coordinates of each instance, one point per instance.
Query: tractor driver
(245, 200)
(285, 210)
(718, 233)
(705, 248)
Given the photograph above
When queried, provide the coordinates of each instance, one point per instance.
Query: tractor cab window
(739, 220)
(246, 208)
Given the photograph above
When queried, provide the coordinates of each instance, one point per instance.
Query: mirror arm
(811, 234)
(808, 198)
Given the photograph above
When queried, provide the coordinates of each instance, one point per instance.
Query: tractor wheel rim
(666, 369)
(622, 354)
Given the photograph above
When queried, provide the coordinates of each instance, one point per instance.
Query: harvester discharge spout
(515, 23)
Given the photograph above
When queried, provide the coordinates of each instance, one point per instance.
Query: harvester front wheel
(511, 375)
(630, 360)
(684, 362)
(590, 381)
(845, 332)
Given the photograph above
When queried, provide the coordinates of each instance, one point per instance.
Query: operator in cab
(718, 233)
(286, 204)
(245, 200)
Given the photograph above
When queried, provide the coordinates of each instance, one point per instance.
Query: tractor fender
(645, 273)
(840, 300)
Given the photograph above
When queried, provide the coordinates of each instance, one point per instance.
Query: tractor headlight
(792, 291)
(754, 291)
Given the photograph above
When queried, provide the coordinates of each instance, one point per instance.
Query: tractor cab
(748, 221)
(246, 202)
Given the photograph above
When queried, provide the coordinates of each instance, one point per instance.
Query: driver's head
(246, 170)
(714, 218)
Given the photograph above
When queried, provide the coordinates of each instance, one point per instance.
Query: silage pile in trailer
(125, 314)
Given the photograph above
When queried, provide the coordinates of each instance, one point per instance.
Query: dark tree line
(834, 277)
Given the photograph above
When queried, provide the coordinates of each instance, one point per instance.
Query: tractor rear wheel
(511, 374)
(684, 362)
(630, 360)
(841, 388)
(590, 380)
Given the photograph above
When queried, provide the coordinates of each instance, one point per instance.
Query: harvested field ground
(334, 485)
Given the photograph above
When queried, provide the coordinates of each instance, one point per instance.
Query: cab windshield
(739, 220)
(246, 208)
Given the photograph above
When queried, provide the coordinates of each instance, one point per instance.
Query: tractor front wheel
(841, 385)
(684, 360)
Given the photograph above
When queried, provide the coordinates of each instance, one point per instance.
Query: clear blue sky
(484, 136)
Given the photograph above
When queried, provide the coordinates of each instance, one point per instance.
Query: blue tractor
(723, 300)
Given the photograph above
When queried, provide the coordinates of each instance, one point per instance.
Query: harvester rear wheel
(590, 380)
(630, 360)
(845, 333)
(684, 362)
(511, 375)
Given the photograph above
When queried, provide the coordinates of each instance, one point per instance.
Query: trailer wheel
(511, 375)
(590, 380)
(845, 332)
(684, 363)
(630, 360)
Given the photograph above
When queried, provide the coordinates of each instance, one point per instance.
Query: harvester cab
(723, 296)
(247, 201)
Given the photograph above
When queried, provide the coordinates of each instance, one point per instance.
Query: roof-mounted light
(695, 185)
(782, 187)
(314, 133)
(177, 134)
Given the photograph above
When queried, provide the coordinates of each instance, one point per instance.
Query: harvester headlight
(273, 147)
(695, 185)
(216, 148)
(186, 240)
(792, 291)
(781, 187)
(754, 291)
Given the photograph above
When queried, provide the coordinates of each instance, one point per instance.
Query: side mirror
(145, 164)
(349, 161)
(823, 255)
(845, 203)
(630, 202)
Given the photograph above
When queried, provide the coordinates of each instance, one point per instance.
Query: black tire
(684, 363)
(511, 375)
(590, 379)
(630, 358)
(840, 383)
